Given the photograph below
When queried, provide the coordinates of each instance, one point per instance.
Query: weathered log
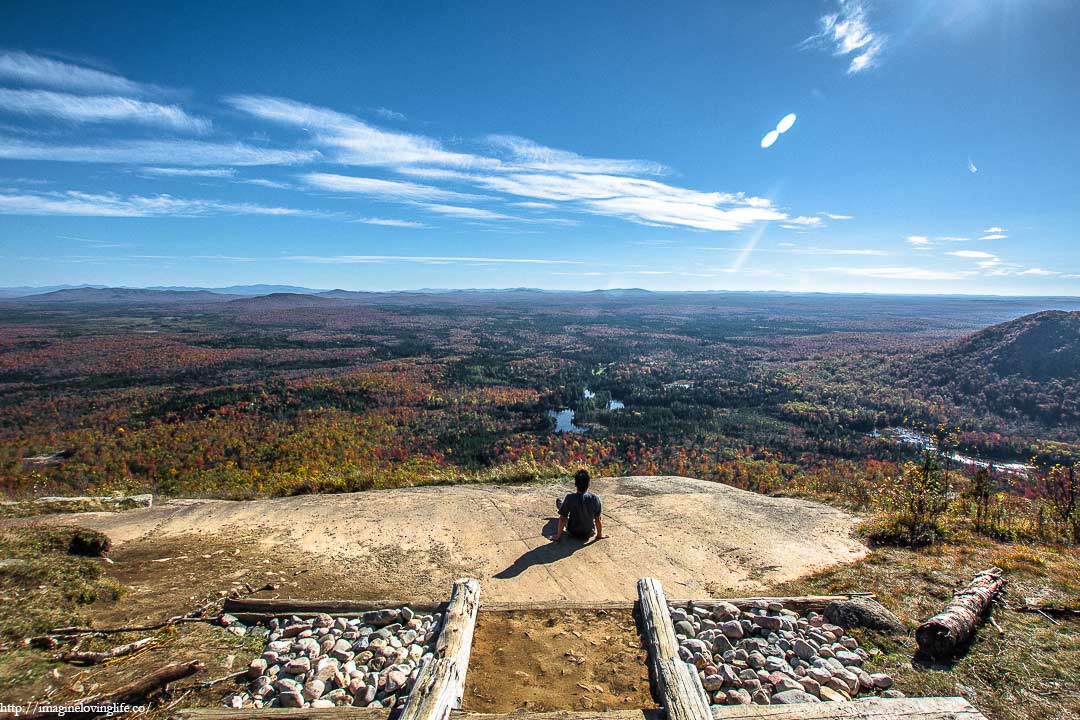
(455, 638)
(680, 691)
(278, 607)
(90, 657)
(134, 693)
(953, 629)
(435, 693)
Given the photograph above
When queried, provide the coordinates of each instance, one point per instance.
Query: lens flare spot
(785, 123)
(769, 139)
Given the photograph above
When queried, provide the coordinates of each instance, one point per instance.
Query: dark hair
(581, 480)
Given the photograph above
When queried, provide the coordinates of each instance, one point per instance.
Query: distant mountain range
(251, 290)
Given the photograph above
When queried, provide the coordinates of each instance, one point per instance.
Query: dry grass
(1029, 673)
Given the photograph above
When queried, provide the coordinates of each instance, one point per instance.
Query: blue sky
(565, 145)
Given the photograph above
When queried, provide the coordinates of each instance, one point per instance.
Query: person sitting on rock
(579, 512)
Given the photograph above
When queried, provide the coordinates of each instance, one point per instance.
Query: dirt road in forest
(699, 538)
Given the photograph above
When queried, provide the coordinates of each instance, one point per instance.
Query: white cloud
(390, 114)
(805, 220)
(383, 189)
(353, 141)
(528, 154)
(154, 152)
(848, 32)
(422, 259)
(390, 222)
(1040, 272)
(189, 172)
(99, 108)
(664, 211)
(902, 273)
(535, 205)
(77, 203)
(953, 238)
(36, 70)
(919, 242)
(975, 254)
(263, 182)
(466, 213)
(996, 236)
(833, 216)
(994, 229)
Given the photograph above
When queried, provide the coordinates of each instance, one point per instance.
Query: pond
(907, 436)
(612, 404)
(564, 421)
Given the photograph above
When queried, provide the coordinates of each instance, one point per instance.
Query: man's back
(581, 511)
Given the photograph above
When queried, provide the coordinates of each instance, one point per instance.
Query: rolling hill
(1029, 366)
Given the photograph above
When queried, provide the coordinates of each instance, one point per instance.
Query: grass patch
(47, 580)
(1029, 673)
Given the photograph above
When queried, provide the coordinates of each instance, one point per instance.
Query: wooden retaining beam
(261, 609)
(931, 708)
(441, 683)
(873, 708)
(680, 690)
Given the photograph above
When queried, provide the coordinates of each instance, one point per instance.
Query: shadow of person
(544, 554)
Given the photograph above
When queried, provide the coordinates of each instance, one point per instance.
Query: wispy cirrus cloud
(352, 141)
(382, 189)
(919, 242)
(99, 109)
(466, 213)
(530, 155)
(154, 152)
(390, 222)
(847, 32)
(423, 259)
(41, 71)
(189, 172)
(73, 202)
(834, 216)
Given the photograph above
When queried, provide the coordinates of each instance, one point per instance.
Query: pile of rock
(323, 662)
(768, 654)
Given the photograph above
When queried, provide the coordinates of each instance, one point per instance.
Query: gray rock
(314, 689)
(257, 667)
(791, 697)
(863, 612)
(290, 699)
(297, 666)
(732, 629)
(804, 649)
(892, 694)
(738, 696)
(882, 681)
(684, 627)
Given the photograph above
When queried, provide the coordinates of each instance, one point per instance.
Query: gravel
(322, 661)
(768, 654)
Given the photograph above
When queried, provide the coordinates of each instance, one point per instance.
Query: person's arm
(599, 528)
(562, 526)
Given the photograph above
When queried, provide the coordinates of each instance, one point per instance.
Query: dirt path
(699, 538)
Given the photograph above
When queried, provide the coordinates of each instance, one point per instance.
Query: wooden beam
(561, 715)
(261, 609)
(435, 692)
(455, 638)
(680, 690)
(441, 683)
(930, 708)
(276, 607)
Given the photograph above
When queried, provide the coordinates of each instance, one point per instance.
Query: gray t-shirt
(580, 511)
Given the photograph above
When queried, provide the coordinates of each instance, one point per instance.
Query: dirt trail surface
(699, 538)
(557, 660)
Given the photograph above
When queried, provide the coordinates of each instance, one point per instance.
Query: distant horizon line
(284, 288)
